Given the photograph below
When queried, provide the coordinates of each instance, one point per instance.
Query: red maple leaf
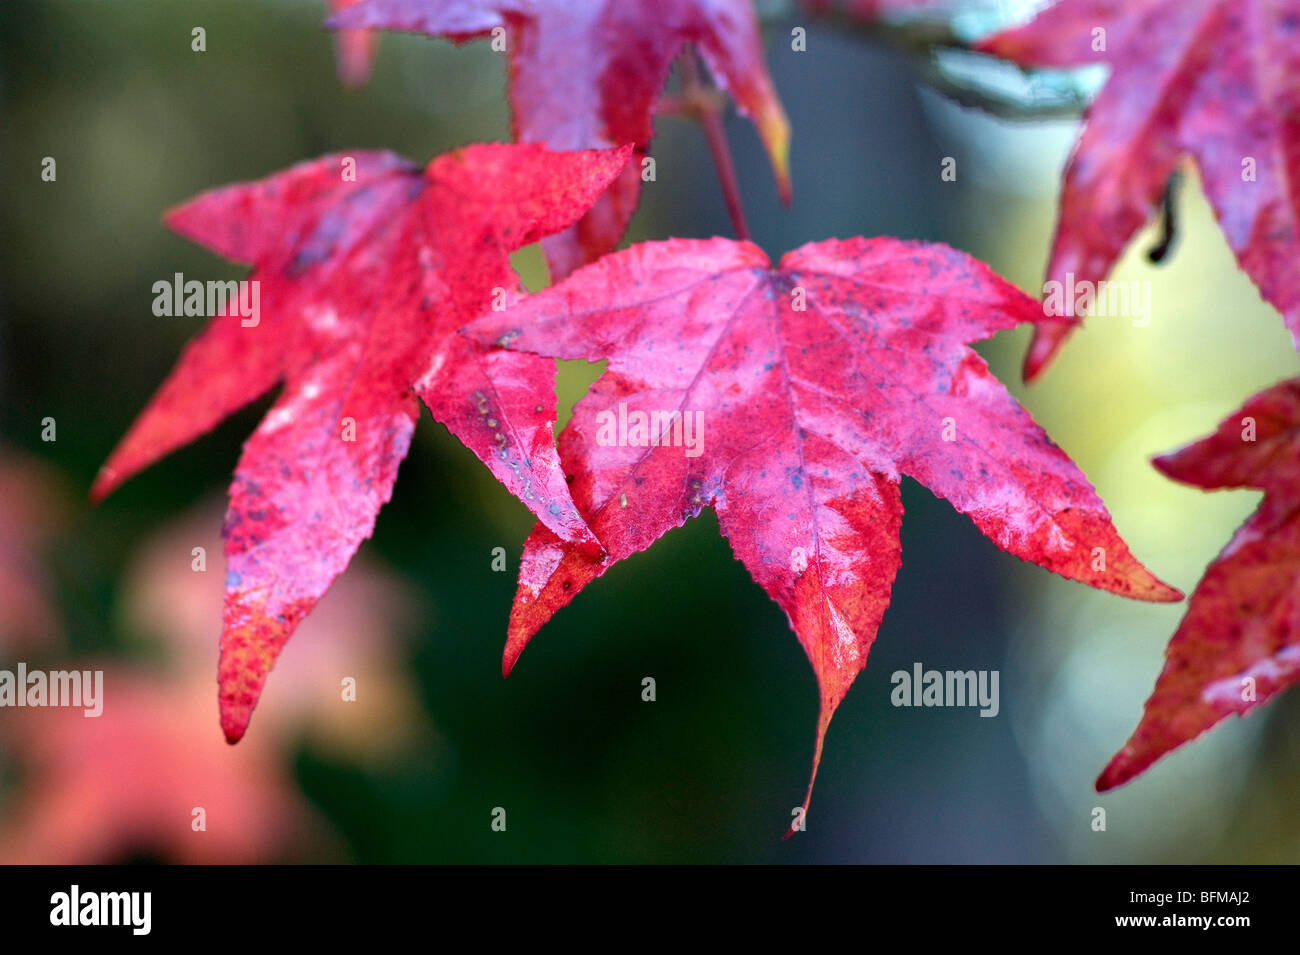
(1239, 643)
(1216, 79)
(587, 75)
(802, 394)
(363, 285)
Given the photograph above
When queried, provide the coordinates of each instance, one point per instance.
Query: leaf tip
(774, 130)
(1137, 583)
(1043, 349)
(105, 483)
(612, 161)
(521, 630)
(800, 820)
(1168, 594)
(1168, 464)
(1147, 586)
(1114, 775)
(233, 725)
(510, 656)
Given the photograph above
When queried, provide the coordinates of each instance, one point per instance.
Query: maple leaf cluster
(1216, 81)
(814, 384)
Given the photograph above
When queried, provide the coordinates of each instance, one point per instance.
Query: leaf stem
(920, 39)
(1168, 220)
(705, 105)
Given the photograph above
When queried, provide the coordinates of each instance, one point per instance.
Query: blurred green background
(586, 770)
